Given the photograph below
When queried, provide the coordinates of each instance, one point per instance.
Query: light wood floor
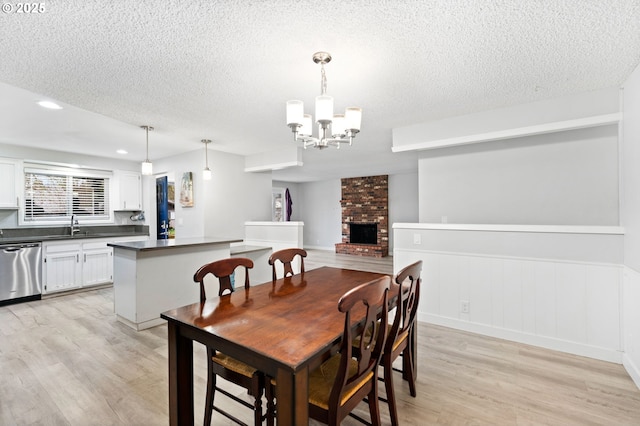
(67, 361)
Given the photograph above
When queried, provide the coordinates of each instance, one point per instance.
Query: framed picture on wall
(186, 190)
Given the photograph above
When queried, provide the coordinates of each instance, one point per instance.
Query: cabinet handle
(125, 205)
(77, 258)
(85, 258)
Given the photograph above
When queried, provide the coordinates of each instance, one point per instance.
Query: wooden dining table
(284, 328)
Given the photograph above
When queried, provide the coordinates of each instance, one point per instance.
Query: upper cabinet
(10, 183)
(128, 191)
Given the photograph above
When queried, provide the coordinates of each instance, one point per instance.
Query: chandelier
(333, 130)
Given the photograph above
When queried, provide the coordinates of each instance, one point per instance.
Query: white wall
(565, 178)
(574, 292)
(294, 192)
(403, 201)
(631, 222)
(321, 213)
(221, 205)
(235, 197)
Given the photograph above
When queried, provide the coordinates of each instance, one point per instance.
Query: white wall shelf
(538, 129)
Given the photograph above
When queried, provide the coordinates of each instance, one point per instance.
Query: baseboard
(574, 348)
(330, 248)
(76, 290)
(138, 326)
(632, 369)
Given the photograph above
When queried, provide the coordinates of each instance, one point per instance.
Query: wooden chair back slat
(223, 269)
(286, 256)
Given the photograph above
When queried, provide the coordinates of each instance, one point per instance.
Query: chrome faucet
(74, 225)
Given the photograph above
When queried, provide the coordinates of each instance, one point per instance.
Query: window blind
(56, 195)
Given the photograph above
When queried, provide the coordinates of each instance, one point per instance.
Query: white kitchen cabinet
(81, 263)
(62, 269)
(10, 182)
(97, 264)
(128, 190)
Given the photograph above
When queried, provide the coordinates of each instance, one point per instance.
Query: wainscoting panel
(563, 305)
(631, 324)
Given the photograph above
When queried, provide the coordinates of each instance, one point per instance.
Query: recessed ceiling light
(49, 105)
(122, 151)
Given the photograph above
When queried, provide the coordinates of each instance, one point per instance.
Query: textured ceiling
(223, 70)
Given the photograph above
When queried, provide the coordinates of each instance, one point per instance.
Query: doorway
(165, 207)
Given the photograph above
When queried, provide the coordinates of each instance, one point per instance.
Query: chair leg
(409, 356)
(374, 408)
(409, 369)
(211, 390)
(271, 406)
(257, 395)
(391, 396)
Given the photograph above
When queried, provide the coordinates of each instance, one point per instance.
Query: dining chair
(400, 340)
(286, 256)
(220, 364)
(347, 378)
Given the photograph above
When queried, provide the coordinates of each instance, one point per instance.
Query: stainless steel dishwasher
(20, 272)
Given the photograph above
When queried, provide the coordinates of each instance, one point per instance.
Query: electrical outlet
(417, 239)
(464, 306)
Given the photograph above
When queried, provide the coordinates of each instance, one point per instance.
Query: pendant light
(206, 173)
(147, 166)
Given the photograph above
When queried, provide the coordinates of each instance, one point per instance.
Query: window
(53, 195)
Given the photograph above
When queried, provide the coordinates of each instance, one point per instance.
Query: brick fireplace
(365, 216)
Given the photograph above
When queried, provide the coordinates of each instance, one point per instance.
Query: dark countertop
(171, 243)
(248, 249)
(37, 234)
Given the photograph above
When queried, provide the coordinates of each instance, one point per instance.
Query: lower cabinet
(74, 265)
(61, 267)
(97, 264)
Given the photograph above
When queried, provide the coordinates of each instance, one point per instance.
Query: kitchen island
(154, 276)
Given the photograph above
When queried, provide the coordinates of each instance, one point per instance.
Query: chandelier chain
(323, 81)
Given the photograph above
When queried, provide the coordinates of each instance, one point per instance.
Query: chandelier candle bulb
(338, 126)
(324, 109)
(353, 118)
(295, 112)
(307, 126)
